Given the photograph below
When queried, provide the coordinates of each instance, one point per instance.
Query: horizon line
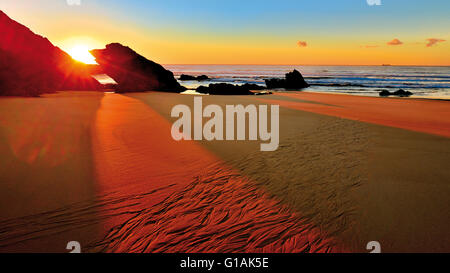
(387, 65)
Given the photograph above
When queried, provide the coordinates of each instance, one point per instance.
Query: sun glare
(81, 53)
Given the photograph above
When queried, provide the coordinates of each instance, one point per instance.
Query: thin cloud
(395, 42)
(434, 41)
(302, 44)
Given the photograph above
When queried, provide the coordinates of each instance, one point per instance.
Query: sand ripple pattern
(316, 173)
(72, 218)
(218, 212)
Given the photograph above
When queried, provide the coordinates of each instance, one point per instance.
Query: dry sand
(103, 170)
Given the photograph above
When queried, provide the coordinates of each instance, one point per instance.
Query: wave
(341, 79)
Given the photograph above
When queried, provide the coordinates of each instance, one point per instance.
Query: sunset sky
(308, 32)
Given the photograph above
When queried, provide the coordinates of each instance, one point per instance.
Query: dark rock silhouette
(94, 69)
(252, 86)
(31, 65)
(275, 83)
(133, 72)
(230, 89)
(224, 89)
(402, 93)
(399, 93)
(184, 77)
(110, 86)
(293, 80)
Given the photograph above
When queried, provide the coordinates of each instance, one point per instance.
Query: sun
(81, 53)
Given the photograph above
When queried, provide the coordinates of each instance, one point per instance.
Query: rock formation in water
(292, 81)
(399, 93)
(228, 89)
(31, 65)
(252, 86)
(200, 78)
(133, 72)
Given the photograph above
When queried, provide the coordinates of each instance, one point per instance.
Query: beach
(103, 169)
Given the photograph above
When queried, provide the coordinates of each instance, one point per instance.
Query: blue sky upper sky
(250, 31)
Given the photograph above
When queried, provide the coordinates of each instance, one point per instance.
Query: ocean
(430, 82)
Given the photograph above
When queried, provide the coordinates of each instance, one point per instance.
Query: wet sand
(102, 169)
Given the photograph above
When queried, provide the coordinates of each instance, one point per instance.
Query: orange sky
(345, 40)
